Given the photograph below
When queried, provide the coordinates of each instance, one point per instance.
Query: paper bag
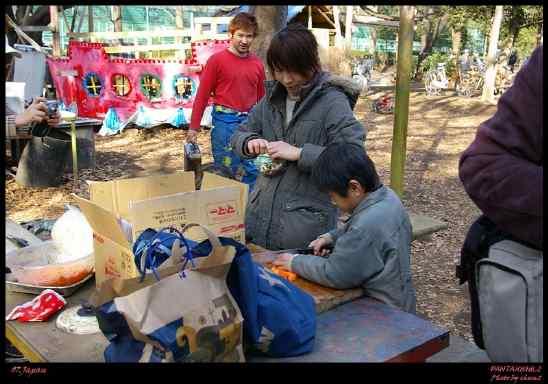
(190, 318)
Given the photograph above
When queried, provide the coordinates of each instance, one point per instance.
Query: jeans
(224, 125)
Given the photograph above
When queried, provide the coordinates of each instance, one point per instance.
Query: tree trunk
(515, 24)
(117, 18)
(539, 35)
(270, 19)
(456, 41)
(491, 71)
(431, 37)
(441, 25)
(401, 110)
(336, 19)
(426, 44)
(348, 27)
(373, 32)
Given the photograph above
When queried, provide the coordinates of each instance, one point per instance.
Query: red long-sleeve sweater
(233, 81)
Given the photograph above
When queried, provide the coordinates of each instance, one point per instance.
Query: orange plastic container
(46, 265)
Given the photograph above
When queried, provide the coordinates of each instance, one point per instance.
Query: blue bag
(279, 318)
(142, 328)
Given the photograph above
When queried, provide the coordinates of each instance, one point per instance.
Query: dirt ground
(440, 128)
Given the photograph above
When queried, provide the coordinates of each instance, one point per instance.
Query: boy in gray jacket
(372, 249)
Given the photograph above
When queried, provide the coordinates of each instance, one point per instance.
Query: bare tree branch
(535, 22)
(418, 16)
(379, 15)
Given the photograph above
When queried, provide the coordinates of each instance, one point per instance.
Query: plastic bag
(73, 235)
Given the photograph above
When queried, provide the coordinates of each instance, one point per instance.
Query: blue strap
(150, 249)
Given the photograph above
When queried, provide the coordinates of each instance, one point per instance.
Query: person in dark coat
(512, 60)
(502, 169)
(502, 173)
(303, 111)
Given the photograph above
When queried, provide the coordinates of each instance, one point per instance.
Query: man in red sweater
(235, 79)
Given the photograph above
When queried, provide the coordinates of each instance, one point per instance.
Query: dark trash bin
(85, 148)
(43, 161)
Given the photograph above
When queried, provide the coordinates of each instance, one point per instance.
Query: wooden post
(54, 27)
(348, 27)
(74, 153)
(337, 21)
(90, 18)
(179, 22)
(401, 110)
(309, 17)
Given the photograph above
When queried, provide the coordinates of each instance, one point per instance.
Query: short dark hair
(294, 49)
(341, 162)
(244, 21)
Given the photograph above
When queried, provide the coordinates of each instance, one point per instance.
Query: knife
(269, 256)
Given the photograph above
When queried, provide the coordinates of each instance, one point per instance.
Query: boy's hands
(284, 151)
(320, 246)
(257, 146)
(284, 260)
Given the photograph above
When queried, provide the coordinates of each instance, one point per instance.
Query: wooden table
(364, 330)
(367, 330)
(43, 341)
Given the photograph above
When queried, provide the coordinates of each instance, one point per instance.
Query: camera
(52, 106)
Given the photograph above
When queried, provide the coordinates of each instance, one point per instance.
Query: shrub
(434, 59)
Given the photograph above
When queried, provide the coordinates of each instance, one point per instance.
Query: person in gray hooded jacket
(303, 111)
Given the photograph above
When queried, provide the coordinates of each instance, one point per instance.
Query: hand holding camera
(54, 116)
(39, 111)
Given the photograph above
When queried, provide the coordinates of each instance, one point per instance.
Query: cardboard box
(157, 202)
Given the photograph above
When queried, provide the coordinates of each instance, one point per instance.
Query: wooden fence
(130, 42)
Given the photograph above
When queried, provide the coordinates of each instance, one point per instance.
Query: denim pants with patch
(224, 125)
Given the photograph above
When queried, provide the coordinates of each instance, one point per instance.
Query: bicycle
(471, 81)
(436, 80)
(361, 73)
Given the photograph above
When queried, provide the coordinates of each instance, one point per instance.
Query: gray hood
(350, 87)
(325, 81)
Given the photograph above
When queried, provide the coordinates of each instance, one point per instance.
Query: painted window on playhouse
(151, 86)
(184, 87)
(121, 85)
(93, 84)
